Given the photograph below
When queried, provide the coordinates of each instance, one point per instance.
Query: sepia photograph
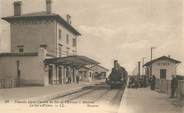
(92, 56)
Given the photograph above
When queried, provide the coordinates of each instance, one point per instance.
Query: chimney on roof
(169, 56)
(49, 6)
(17, 8)
(68, 19)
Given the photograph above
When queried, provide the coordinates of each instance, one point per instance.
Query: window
(85, 74)
(67, 39)
(60, 50)
(74, 42)
(60, 34)
(20, 48)
(67, 51)
(74, 52)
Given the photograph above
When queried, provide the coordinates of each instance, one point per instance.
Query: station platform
(41, 92)
(143, 100)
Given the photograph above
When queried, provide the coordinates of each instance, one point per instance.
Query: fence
(180, 92)
(164, 86)
(8, 83)
(12, 83)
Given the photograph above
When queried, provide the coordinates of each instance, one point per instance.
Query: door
(18, 73)
(163, 73)
(68, 77)
(73, 74)
(60, 75)
(50, 74)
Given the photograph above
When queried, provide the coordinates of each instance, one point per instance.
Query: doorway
(73, 74)
(60, 76)
(18, 73)
(50, 74)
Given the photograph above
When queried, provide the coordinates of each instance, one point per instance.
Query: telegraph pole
(139, 69)
(143, 65)
(151, 59)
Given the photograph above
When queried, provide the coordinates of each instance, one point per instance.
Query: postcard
(91, 56)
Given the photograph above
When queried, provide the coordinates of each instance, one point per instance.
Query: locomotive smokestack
(116, 65)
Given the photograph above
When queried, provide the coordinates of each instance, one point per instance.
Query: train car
(118, 76)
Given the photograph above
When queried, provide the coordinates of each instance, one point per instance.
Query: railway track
(98, 95)
(80, 93)
(117, 98)
(76, 94)
(102, 95)
(94, 96)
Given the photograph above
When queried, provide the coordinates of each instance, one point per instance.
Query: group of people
(69, 79)
(138, 82)
(174, 84)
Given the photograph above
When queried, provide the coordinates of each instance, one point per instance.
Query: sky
(115, 29)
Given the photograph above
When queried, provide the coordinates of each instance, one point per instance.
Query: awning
(71, 61)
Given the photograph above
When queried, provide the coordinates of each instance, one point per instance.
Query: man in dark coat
(144, 81)
(77, 79)
(174, 85)
(153, 80)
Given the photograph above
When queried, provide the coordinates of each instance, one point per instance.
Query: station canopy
(71, 61)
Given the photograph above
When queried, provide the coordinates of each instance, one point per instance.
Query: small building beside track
(163, 67)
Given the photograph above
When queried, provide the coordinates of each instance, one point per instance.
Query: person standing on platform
(174, 84)
(153, 82)
(77, 79)
(149, 80)
(69, 80)
(144, 81)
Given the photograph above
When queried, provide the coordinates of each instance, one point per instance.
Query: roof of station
(18, 54)
(162, 58)
(43, 15)
(72, 61)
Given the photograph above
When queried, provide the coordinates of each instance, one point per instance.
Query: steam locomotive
(118, 76)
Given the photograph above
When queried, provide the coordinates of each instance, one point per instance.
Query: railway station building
(43, 49)
(163, 67)
(96, 72)
(101, 72)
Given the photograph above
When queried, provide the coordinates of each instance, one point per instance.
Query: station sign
(163, 63)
